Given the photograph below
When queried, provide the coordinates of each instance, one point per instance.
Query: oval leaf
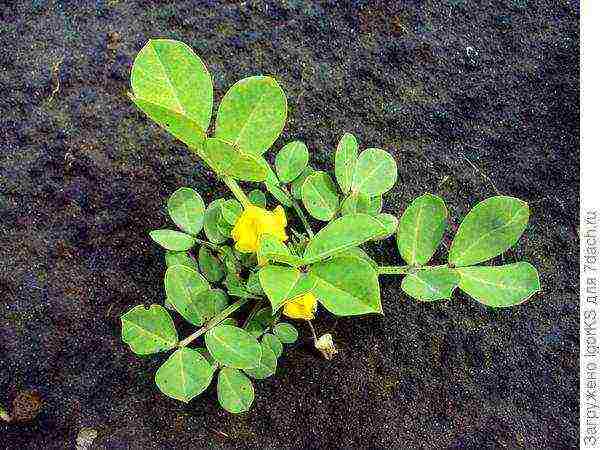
(274, 188)
(231, 210)
(233, 347)
(490, 228)
(360, 203)
(172, 240)
(258, 198)
(186, 208)
(296, 185)
(267, 366)
(283, 283)
(173, 87)
(234, 390)
(212, 216)
(319, 196)
(252, 114)
(184, 375)
(387, 221)
(148, 331)
(500, 286)
(291, 160)
(347, 286)
(173, 258)
(429, 285)
(346, 156)
(210, 266)
(286, 332)
(375, 173)
(341, 234)
(274, 344)
(421, 229)
(183, 287)
(225, 159)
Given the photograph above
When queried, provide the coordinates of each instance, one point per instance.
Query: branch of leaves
(489, 229)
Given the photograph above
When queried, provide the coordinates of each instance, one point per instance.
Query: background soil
(84, 177)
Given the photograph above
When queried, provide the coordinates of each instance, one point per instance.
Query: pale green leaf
(267, 365)
(234, 390)
(291, 160)
(286, 332)
(274, 344)
(274, 188)
(346, 286)
(173, 258)
(319, 196)
(361, 203)
(186, 208)
(283, 283)
(500, 286)
(211, 222)
(173, 240)
(233, 347)
(375, 172)
(231, 210)
(490, 228)
(296, 185)
(185, 375)
(148, 331)
(272, 249)
(341, 234)
(253, 284)
(429, 285)
(183, 287)
(387, 221)
(225, 159)
(252, 114)
(346, 156)
(421, 229)
(257, 198)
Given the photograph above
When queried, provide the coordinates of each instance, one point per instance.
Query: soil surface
(471, 97)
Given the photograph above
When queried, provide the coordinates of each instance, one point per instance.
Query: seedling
(235, 269)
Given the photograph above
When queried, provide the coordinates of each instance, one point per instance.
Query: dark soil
(84, 176)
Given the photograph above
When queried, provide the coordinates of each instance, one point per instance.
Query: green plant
(246, 252)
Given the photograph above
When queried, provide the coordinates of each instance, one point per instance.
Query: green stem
(303, 218)
(236, 190)
(402, 270)
(215, 321)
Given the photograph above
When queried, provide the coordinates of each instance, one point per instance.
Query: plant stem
(236, 190)
(215, 321)
(400, 270)
(303, 218)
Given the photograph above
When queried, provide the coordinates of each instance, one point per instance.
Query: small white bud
(325, 345)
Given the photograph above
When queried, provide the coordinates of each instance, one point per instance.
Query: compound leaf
(291, 160)
(490, 228)
(375, 172)
(148, 331)
(500, 286)
(233, 347)
(346, 286)
(186, 208)
(319, 196)
(421, 229)
(252, 114)
(234, 390)
(173, 240)
(429, 285)
(184, 375)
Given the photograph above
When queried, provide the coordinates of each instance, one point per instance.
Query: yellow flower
(253, 223)
(301, 307)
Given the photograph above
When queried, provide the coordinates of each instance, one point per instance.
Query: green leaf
(252, 114)
(234, 390)
(272, 249)
(489, 229)
(389, 222)
(253, 284)
(260, 322)
(346, 156)
(375, 172)
(421, 229)
(357, 252)
(360, 203)
(172, 240)
(224, 227)
(274, 344)
(283, 283)
(257, 198)
(341, 234)
(214, 301)
(211, 222)
(347, 286)
(291, 160)
(173, 258)
(296, 185)
(186, 208)
(434, 284)
(183, 287)
(231, 210)
(227, 160)
(233, 347)
(500, 286)
(174, 88)
(272, 185)
(319, 196)
(148, 331)
(210, 266)
(184, 375)
(286, 332)
(267, 366)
